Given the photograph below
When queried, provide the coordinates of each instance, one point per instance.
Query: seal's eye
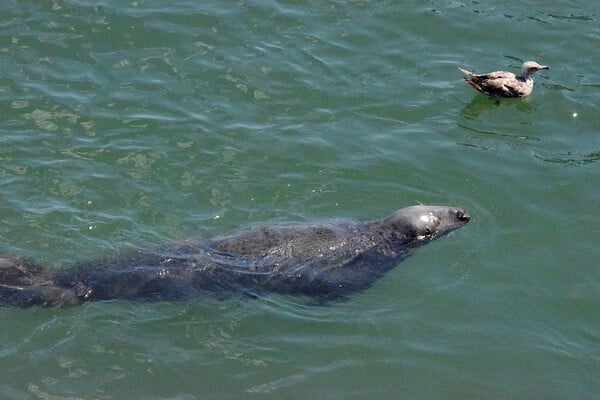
(429, 224)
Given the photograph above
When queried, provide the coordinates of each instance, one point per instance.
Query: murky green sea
(129, 123)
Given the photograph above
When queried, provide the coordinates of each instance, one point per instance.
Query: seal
(324, 261)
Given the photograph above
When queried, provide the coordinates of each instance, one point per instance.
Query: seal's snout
(463, 216)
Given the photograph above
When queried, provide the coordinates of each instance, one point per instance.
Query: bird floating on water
(503, 83)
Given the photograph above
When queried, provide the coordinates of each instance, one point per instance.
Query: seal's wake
(325, 261)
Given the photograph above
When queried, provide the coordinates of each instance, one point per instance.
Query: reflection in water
(481, 104)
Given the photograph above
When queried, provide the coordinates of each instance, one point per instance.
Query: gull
(505, 84)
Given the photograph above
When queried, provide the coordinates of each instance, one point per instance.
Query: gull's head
(531, 67)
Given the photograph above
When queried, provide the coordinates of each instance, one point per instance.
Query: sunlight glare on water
(127, 124)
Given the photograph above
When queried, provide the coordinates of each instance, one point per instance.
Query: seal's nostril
(462, 215)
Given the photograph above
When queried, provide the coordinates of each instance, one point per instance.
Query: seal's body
(325, 261)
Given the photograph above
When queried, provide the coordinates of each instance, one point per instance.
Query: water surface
(128, 124)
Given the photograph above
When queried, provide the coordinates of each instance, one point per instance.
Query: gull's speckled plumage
(503, 83)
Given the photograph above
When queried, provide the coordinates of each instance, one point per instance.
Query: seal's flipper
(25, 284)
(46, 296)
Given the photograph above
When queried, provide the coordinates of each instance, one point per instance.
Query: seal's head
(420, 224)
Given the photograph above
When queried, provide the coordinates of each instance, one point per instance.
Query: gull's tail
(464, 71)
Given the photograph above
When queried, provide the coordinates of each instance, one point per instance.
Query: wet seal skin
(325, 261)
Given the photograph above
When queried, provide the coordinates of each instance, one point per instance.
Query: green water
(129, 123)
